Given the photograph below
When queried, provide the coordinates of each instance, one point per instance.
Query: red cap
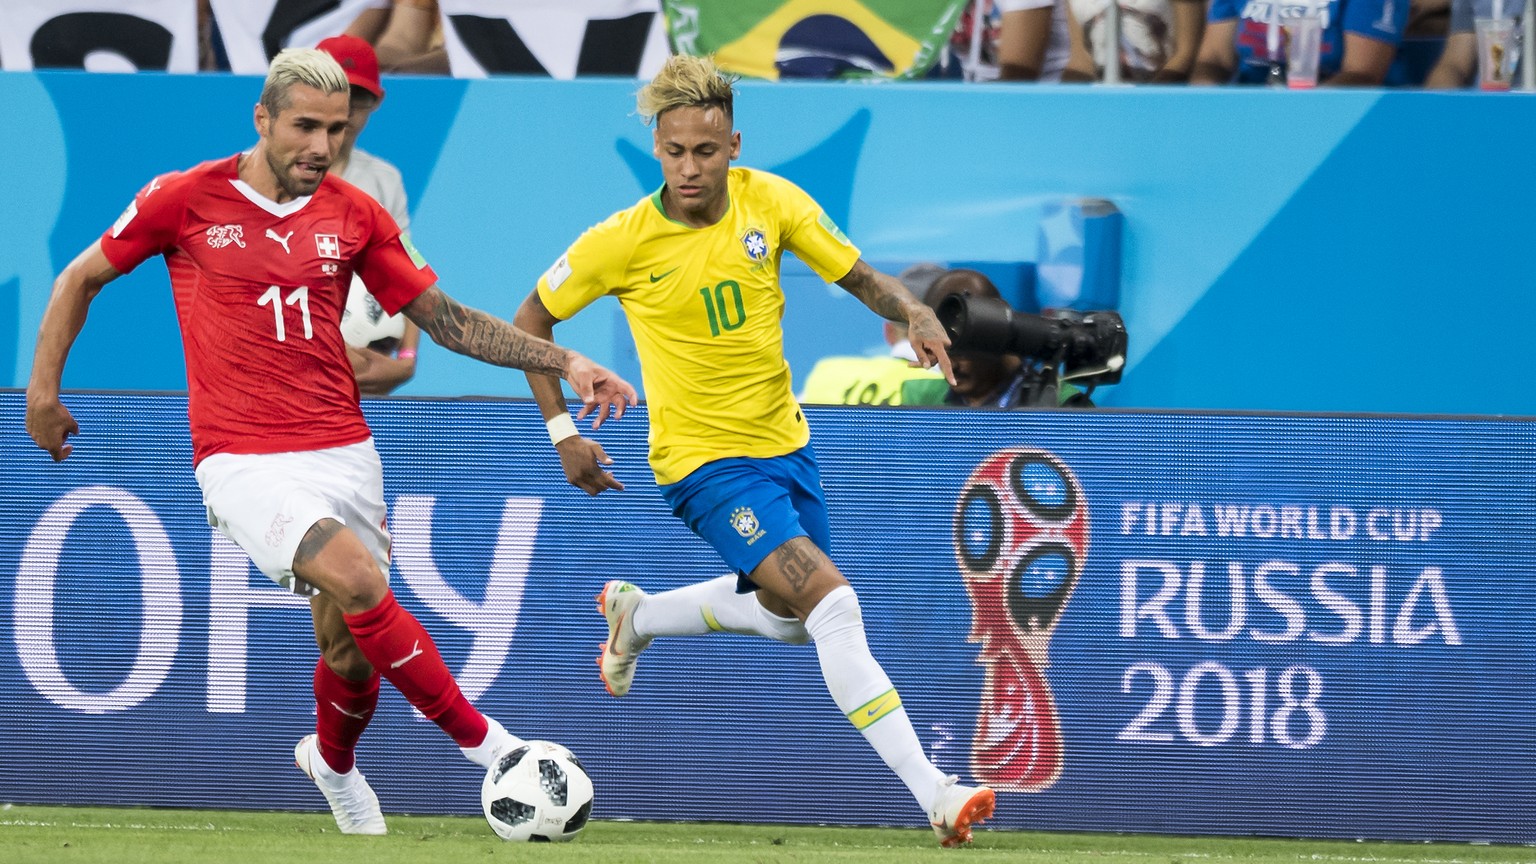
(357, 60)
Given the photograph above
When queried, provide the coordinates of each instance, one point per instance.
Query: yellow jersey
(862, 380)
(706, 308)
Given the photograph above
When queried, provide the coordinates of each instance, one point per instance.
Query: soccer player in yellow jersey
(695, 267)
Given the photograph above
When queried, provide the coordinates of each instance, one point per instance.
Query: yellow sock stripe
(709, 620)
(870, 712)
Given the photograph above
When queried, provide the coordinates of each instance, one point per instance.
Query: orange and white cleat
(956, 808)
(617, 602)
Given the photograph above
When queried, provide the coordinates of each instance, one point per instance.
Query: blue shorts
(746, 507)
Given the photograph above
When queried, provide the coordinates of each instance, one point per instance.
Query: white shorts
(267, 502)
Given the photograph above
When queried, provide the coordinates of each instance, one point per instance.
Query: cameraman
(984, 380)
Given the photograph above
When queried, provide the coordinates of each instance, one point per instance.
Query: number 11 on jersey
(300, 296)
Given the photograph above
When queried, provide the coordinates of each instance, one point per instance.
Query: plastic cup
(1498, 51)
(1304, 50)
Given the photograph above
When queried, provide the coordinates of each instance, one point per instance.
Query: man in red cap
(384, 355)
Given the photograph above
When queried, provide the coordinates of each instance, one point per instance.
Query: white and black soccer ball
(364, 322)
(537, 791)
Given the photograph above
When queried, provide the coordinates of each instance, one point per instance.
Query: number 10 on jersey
(299, 295)
(726, 296)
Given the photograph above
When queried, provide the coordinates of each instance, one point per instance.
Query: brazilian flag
(814, 38)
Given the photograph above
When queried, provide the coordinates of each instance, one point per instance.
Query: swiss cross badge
(328, 246)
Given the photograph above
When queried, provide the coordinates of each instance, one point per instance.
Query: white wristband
(561, 427)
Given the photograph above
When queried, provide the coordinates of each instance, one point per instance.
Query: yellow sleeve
(592, 267)
(813, 236)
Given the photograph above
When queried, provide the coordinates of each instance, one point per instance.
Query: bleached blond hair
(686, 81)
(308, 66)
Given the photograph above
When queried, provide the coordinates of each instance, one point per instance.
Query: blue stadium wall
(1127, 621)
(1328, 251)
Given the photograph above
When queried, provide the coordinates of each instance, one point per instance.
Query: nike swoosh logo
(655, 278)
(415, 652)
(619, 628)
(878, 708)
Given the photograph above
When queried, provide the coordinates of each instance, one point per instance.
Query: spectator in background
(382, 347)
(864, 380)
(1457, 66)
(1020, 40)
(988, 380)
(1158, 38)
(407, 34)
(207, 57)
(371, 23)
(1360, 38)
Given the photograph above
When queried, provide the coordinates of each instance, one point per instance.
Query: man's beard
(286, 182)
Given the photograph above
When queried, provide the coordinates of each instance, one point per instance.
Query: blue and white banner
(1143, 622)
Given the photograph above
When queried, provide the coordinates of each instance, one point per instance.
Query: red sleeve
(389, 265)
(150, 226)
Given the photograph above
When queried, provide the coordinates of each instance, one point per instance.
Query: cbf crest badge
(746, 524)
(756, 244)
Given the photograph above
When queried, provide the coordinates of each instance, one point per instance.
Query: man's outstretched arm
(888, 298)
(485, 337)
(49, 423)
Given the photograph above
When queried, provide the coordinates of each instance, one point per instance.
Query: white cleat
(497, 741)
(956, 808)
(617, 602)
(352, 801)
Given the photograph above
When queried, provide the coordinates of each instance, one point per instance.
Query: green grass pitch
(55, 835)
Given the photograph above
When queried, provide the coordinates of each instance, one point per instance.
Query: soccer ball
(363, 321)
(538, 791)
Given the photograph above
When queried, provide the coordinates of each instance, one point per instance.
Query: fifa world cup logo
(1021, 537)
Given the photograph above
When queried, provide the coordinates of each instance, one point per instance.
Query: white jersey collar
(267, 204)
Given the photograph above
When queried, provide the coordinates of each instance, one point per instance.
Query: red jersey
(259, 289)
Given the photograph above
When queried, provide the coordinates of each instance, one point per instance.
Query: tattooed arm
(888, 298)
(484, 337)
(476, 334)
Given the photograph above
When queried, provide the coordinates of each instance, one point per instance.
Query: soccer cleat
(617, 602)
(956, 808)
(352, 801)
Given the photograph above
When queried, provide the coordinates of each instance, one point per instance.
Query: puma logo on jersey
(283, 240)
(415, 652)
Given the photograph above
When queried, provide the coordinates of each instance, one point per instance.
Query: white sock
(710, 607)
(497, 741)
(864, 694)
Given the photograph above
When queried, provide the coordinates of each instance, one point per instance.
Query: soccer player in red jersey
(261, 248)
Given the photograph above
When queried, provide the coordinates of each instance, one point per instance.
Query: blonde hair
(686, 81)
(308, 66)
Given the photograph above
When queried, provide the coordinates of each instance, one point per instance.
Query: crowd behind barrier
(1435, 43)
